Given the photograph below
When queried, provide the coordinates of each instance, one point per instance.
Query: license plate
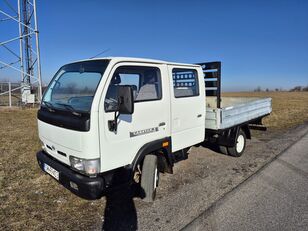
(51, 171)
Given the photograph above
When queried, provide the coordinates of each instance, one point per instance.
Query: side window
(185, 82)
(145, 81)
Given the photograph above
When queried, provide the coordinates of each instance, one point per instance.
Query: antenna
(104, 51)
(23, 15)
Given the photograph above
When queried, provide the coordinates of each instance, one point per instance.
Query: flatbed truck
(113, 121)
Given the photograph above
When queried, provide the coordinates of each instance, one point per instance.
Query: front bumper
(82, 186)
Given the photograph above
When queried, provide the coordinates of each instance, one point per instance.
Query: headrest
(150, 77)
(116, 79)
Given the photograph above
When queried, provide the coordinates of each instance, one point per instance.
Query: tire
(240, 145)
(149, 178)
(223, 149)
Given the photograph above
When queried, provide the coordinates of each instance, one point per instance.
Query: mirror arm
(116, 116)
(113, 124)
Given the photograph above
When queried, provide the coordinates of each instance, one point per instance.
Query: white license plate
(51, 171)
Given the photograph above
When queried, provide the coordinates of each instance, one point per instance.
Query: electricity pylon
(23, 14)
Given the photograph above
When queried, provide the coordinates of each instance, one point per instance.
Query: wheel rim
(240, 142)
(155, 178)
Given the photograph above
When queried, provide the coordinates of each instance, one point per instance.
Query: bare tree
(258, 89)
(297, 88)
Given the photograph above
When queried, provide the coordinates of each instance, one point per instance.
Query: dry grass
(4, 100)
(31, 200)
(28, 198)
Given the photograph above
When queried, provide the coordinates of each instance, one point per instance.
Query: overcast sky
(260, 43)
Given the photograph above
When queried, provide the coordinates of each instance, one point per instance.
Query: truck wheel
(240, 145)
(223, 149)
(149, 177)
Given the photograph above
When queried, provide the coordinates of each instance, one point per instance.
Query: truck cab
(111, 121)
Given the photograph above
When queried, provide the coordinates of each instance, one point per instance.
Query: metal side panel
(241, 113)
(226, 117)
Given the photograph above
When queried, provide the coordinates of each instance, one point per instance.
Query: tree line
(296, 88)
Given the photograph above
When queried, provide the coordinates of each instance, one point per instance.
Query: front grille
(61, 153)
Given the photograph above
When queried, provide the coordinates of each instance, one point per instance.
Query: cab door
(187, 106)
(150, 120)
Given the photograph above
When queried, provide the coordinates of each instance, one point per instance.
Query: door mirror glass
(125, 100)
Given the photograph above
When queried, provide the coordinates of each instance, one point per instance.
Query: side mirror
(125, 105)
(125, 100)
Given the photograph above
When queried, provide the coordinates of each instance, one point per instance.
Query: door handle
(161, 124)
(200, 115)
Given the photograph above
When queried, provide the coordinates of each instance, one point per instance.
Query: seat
(147, 91)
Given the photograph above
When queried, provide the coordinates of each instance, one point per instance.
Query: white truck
(109, 122)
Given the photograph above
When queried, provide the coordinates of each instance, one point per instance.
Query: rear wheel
(240, 145)
(149, 178)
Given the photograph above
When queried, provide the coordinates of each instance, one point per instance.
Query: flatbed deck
(235, 111)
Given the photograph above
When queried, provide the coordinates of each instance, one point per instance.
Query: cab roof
(139, 60)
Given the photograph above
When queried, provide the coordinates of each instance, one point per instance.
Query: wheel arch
(161, 147)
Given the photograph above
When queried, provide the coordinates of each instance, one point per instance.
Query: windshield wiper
(70, 108)
(49, 106)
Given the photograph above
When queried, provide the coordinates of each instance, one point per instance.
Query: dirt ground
(29, 199)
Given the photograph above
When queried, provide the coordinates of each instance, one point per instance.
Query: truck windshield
(74, 86)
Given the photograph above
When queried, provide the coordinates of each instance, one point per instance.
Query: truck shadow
(120, 211)
(212, 147)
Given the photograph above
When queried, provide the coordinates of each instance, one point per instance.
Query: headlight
(43, 146)
(86, 166)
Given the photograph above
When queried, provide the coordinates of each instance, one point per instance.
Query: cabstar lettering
(143, 132)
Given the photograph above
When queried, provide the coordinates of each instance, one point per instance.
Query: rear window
(185, 82)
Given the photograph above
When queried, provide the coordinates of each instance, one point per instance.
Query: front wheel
(149, 177)
(240, 145)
